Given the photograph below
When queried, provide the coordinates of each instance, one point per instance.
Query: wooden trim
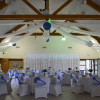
(63, 6)
(77, 34)
(1, 39)
(32, 7)
(3, 4)
(88, 58)
(72, 21)
(96, 38)
(93, 5)
(52, 17)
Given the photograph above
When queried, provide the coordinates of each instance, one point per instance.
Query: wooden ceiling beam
(32, 7)
(1, 39)
(3, 4)
(93, 5)
(42, 30)
(47, 5)
(52, 17)
(78, 34)
(63, 6)
(96, 38)
(51, 34)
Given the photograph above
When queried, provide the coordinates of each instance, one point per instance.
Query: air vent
(44, 47)
(17, 46)
(69, 47)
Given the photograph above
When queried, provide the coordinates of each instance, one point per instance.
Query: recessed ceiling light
(70, 47)
(63, 38)
(44, 47)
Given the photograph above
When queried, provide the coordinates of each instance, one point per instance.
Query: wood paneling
(4, 65)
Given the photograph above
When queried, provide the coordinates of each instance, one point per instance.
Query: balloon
(47, 26)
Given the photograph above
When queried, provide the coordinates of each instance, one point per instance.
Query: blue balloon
(48, 40)
(14, 44)
(47, 26)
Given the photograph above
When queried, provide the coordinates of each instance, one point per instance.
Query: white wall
(56, 45)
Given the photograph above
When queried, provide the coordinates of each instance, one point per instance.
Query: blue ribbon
(33, 73)
(39, 79)
(22, 76)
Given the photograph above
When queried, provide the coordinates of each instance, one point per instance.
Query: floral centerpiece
(90, 70)
(44, 70)
(69, 69)
(27, 68)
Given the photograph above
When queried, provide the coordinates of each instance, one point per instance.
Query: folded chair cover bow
(3, 81)
(39, 82)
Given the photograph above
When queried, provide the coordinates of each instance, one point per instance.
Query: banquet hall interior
(50, 49)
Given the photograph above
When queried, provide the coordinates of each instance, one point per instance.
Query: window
(88, 64)
(82, 64)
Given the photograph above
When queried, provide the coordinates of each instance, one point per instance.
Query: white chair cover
(32, 85)
(95, 91)
(23, 90)
(55, 89)
(67, 79)
(9, 86)
(40, 91)
(77, 88)
(3, 89)
(47, 80)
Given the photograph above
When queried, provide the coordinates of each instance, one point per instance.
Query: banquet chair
(23, 89)
(3, 87)
(47, 80)
(55, 85)
(7, 83)
(40, 88)
(76, 86)
(95, 89)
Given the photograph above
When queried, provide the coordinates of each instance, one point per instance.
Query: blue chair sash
(74, 81)
(39, 79)
(3, 80)
(58, 77)
(97, 82)
(18, 80)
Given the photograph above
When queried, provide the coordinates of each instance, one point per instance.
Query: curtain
(55, 61)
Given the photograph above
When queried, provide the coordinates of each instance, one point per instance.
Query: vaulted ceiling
(67, 11)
